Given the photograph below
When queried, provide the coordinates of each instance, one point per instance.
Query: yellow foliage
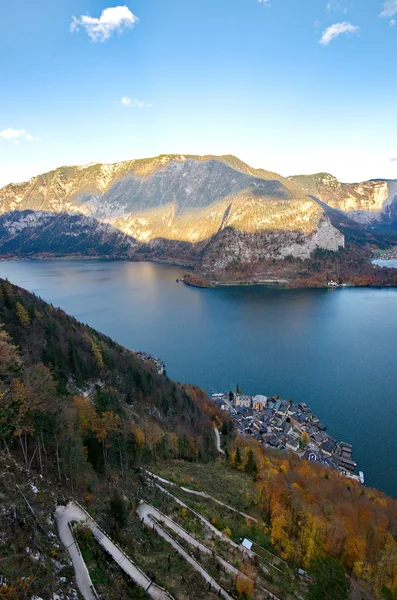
(86, 415)
(22, 315)
(245, 587)
(284, 467)
(16, 591)
(96, 351)
(139, 436)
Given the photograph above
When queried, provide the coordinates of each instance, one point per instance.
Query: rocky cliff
(369, 203)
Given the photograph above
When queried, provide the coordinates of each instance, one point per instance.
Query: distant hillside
(369, 203)
(216, 214)
(208, 212)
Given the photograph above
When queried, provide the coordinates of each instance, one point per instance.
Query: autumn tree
(245, 587)
(23, 315)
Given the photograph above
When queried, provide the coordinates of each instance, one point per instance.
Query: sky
(292, 86)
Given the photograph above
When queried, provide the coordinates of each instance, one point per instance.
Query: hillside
(84, 423)
(173, 208)
(63, 367)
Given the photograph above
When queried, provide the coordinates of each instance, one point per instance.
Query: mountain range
(214, 213)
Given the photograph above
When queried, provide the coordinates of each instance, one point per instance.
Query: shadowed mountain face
(168, 208)
(369, 203)
(29, 233)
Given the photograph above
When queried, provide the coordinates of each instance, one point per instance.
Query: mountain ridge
(371, 202)
(175, 208)
(216, 214)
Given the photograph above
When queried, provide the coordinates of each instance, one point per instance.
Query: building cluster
(286, 426)
(157, 362)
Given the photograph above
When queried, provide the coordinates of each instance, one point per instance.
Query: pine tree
(250, 466)
(237, 459)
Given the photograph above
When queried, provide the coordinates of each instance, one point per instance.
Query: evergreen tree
(329, 580)
(250, 466)
(237, 459)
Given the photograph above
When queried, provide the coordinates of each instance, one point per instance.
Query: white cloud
(336, 30)
(389, 8)
(264, 2)
(113, 19)
(134, 103)
(15, 135)
(393, 22)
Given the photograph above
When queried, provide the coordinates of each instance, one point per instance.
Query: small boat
(361, 477)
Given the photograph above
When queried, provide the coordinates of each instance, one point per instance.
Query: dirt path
(66, 516)
(151, 516)
(218, 441)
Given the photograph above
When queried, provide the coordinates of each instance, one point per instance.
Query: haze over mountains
(213, 213)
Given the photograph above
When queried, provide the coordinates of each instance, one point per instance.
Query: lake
(390, 262)
(333, 349)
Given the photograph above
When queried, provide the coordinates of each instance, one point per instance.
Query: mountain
(229, 222)
(208, 212)
(41, 233)
(369, 203)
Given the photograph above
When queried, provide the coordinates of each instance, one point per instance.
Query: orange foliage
(244, 586)
(312, 511)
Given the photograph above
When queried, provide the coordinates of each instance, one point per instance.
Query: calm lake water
(333, 349)
(386, 263)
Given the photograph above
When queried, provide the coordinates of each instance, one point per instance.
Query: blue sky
(294, 86)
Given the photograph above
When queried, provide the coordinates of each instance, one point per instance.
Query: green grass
(217, 479)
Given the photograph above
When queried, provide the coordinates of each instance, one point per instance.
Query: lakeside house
(259, 402)
(288, 427)
(242, 401)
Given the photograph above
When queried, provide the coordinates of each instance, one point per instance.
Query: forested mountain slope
(56, 370)
(82, 418)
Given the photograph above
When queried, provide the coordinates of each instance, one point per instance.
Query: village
(157, 362)
(288, 427)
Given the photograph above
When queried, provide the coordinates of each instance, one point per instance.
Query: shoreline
(286, 426)
(284, 284)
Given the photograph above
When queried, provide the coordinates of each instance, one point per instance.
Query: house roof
(328, 446)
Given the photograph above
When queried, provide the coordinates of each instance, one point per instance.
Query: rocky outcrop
(234, 248)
